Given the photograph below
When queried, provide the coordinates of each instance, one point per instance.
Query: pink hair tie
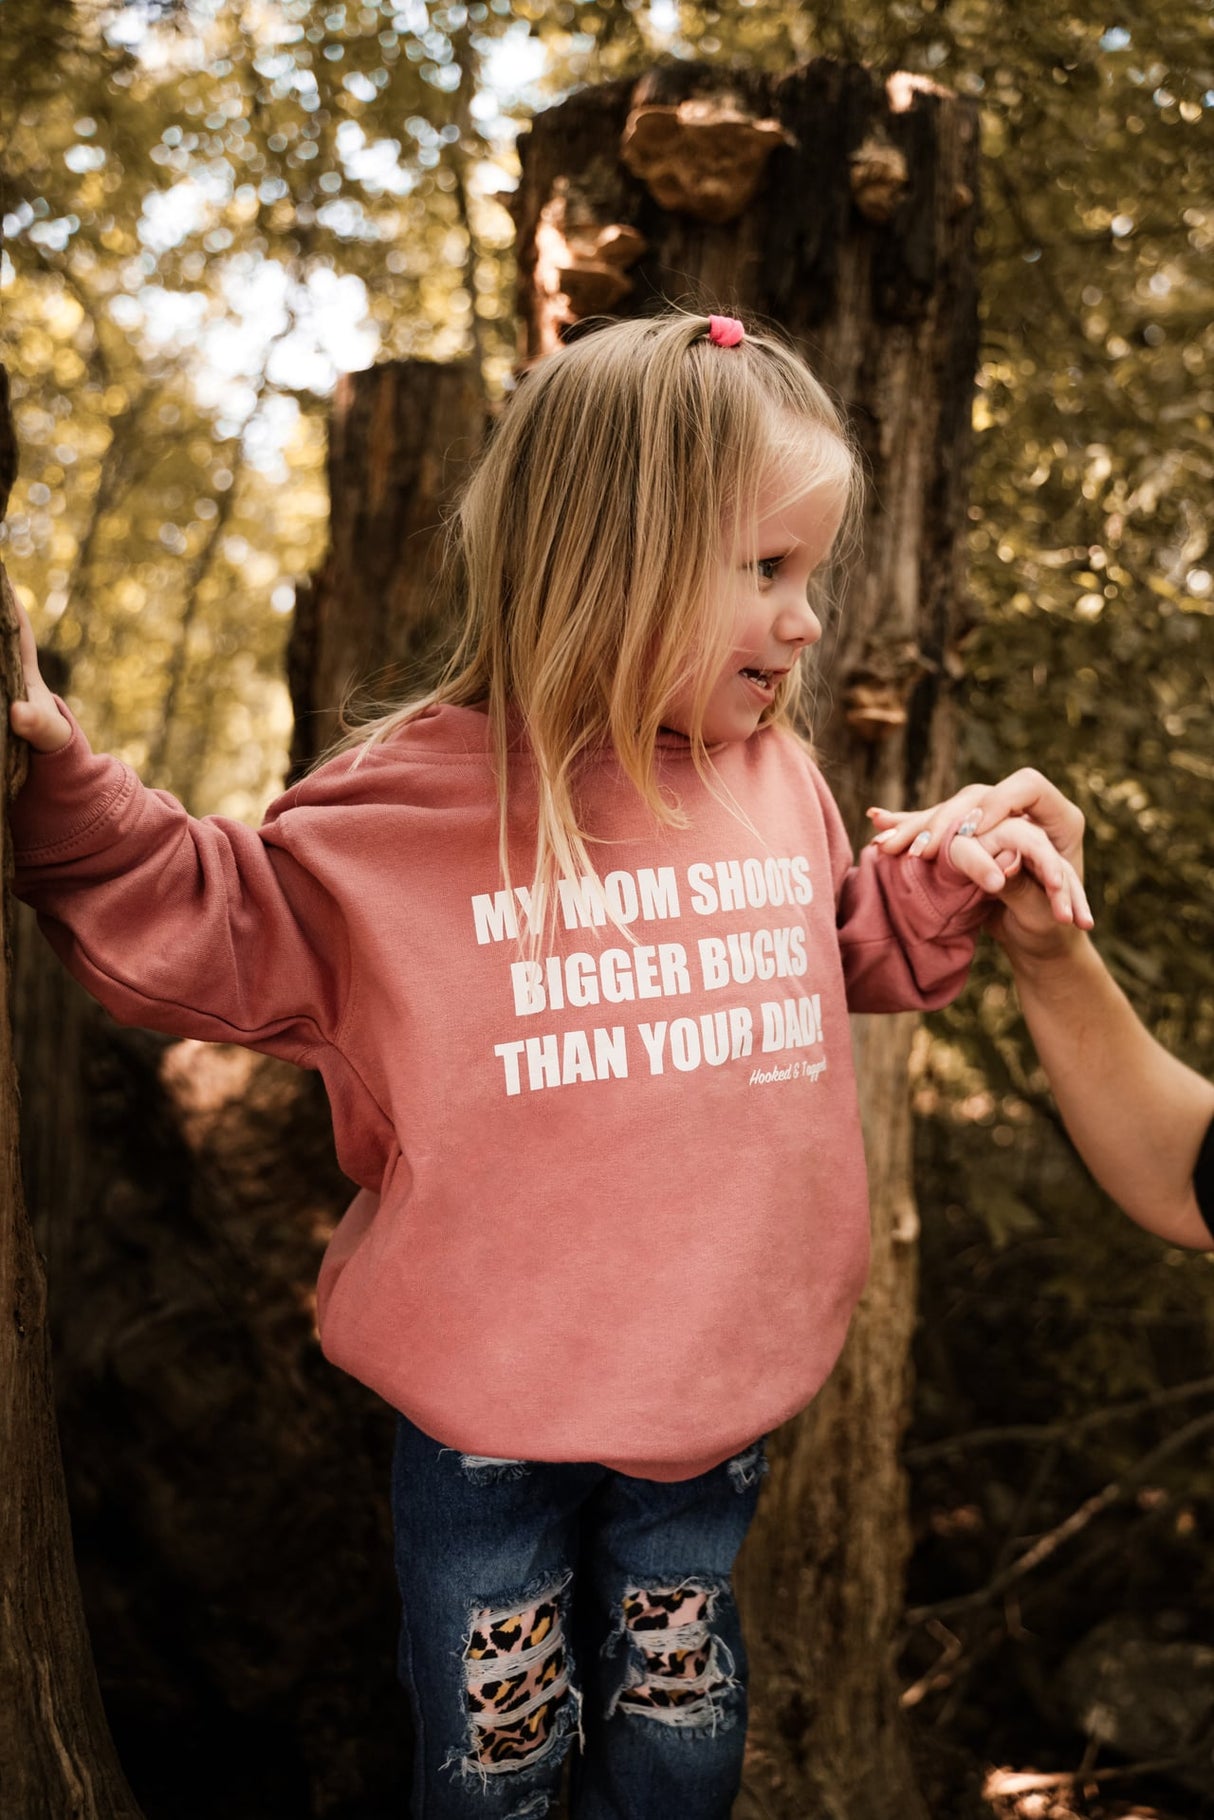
(725, 331)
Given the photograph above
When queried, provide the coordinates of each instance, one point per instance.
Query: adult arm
(907, 926)
(1139, 1118)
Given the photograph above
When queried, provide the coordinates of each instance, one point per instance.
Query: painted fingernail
(968, 828)
(919, 843)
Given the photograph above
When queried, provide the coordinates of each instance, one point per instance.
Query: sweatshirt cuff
(65, 792)
(955, 899)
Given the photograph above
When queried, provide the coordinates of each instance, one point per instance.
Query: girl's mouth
(763, 680)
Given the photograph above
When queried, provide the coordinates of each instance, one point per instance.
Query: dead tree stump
(400, 436)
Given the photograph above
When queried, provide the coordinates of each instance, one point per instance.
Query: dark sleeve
(1203, 1178)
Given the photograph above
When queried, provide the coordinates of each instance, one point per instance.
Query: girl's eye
(768, 567)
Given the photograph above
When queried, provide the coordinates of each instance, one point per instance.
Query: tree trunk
(843, 209)
(182, 1193)
(56, 1756)
(400, 436)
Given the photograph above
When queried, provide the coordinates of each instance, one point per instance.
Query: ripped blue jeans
(553, 1611)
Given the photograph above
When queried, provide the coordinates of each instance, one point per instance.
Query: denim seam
(419, 1719)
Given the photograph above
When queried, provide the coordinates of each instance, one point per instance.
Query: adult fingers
(1040, 860)
(1027, 793)
(987, 869)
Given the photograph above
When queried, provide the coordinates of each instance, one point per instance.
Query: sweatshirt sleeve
(907, 927)
(197, 927)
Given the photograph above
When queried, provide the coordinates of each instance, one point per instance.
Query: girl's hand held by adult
(979, 807)
(37, 718)
(1039, 892)
(1021, 840)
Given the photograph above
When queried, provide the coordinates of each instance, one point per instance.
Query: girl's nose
(798, 624)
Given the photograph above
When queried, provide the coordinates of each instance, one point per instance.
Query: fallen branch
(1001, 1784)
(937, 1676)
(1056, 1431)
(1078, 1520)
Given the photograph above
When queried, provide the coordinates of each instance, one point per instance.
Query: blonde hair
(583, 553)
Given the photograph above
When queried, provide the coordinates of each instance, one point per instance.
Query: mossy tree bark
(57, 1760)
(857, 237)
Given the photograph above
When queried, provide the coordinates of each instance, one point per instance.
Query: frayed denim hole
(533, 1809)
(747, 1468)
(566, 1726)
(717, 1686)
(715, 1704)
(468, 1760)
(483, 1469)
(724, 1718)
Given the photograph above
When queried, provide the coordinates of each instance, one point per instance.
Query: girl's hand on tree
(36, 719)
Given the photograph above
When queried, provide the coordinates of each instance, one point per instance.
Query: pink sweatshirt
(613, 1199)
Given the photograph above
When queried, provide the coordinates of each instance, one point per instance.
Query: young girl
(573, 943)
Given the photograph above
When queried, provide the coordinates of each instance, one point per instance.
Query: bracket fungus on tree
(581, 266)
(879, 178)
(704, 157)
(877, 691)
(875, 709)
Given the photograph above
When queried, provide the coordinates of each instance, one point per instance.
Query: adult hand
(37, 718)
(1137, 1115)
(977, 808)
(1039, 891)
(1023, 827)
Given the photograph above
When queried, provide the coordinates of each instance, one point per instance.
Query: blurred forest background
(212, 207)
